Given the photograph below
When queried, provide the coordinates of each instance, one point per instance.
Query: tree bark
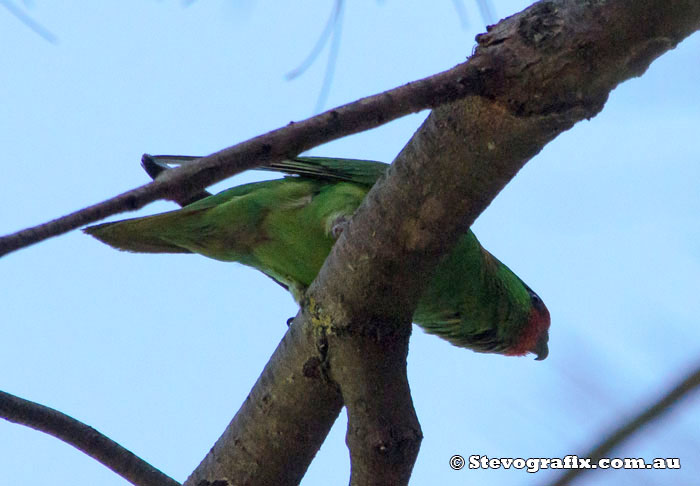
(544, 70)
(84, 438)
(283, 421)
(541, 71)
(532, 76)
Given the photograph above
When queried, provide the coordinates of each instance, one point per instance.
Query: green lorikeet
(286, 227)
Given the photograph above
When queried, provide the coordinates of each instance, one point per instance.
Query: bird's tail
(139, 235)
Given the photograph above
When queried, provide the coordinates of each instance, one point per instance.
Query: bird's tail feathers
(138, 235)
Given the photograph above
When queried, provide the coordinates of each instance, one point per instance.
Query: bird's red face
(535, 334)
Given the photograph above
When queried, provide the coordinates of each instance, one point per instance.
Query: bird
(286, 227)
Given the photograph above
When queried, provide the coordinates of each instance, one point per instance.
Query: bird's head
(534, 335)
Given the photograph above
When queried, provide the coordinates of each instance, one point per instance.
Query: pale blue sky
(159, 351)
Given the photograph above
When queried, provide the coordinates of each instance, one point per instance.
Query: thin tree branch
(38, 29)
(485, 9)
(664, 404)
(82, 437)
(333, 19)
(333, 51)
(284, 142)
(461, 13)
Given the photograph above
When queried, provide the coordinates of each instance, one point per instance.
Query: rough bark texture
(383, 432)
(548, 68)
(283, 421)
(541, 71)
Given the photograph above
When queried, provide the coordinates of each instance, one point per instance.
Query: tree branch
(283, 421)
(548, 68)
(681, 391)
(536, 73)
(82, 437)
(542, 71)
(292, 398)
(38, 29)
(276, 145)
(383, 432)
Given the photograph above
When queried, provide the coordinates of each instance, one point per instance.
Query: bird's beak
(541, 349)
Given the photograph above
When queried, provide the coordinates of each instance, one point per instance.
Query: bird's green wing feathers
(152, 234)
(281, 227)
(365, 172)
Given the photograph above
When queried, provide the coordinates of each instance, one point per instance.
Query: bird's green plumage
(286, 228)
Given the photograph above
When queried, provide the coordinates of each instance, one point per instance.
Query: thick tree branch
(681, 391)
(383, 432)
(543, 70)
(310, 402)
(276, 145)
(283, 421)
(82, 437)
(549, 67)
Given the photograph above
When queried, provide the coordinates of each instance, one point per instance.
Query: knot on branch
(387, 449)
(542, 63)
(543, 28)
(312, 367)
(396, 444)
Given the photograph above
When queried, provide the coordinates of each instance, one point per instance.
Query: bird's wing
(365, 172)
